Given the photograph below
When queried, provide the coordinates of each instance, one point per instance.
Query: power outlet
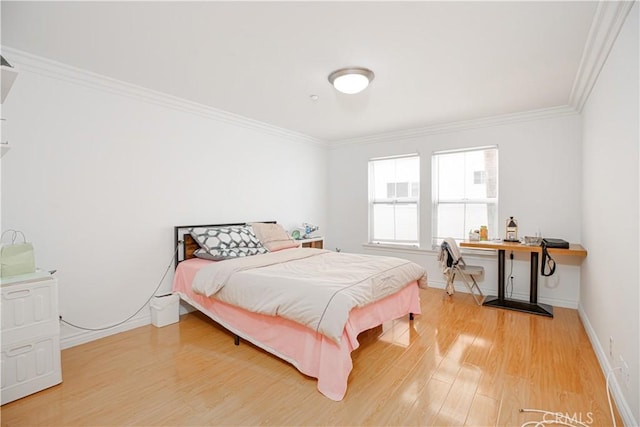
(611, 347)
(625, 371)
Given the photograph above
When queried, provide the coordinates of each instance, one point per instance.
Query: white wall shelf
(4, 148)
(8, 76)
(312, 242)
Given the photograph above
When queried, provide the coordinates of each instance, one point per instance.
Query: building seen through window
(464, 193)
(394, 200)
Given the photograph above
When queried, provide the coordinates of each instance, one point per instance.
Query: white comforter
(314, 287)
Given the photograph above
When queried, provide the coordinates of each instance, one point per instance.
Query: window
(394, 196)
(465, 192)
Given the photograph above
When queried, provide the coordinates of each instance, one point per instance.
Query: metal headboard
(187, 245)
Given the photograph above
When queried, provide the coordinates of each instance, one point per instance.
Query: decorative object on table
(512, 230)
(304, 232)
(16, 258)
(474, 235)
(484, 233)
(532, 240)
(308, 229)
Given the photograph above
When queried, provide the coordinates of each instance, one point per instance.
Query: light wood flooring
(456, 364)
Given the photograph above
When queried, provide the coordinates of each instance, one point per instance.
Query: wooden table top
(575, 249)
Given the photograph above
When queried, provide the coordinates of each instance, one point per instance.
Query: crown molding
(605, 27)
(499, 120)
(23, 61)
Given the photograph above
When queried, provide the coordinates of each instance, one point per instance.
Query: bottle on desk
(484, 233)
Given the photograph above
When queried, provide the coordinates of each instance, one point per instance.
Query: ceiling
(434, 62)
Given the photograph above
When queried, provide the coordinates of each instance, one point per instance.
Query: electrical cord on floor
(564, 420)
(557, 419)
(137, 311)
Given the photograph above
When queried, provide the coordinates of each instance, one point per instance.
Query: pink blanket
(311, 353)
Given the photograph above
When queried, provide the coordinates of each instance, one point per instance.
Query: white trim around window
(394, 200)
(464, 192)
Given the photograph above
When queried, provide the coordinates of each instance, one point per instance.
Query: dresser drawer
(29, 366)
(29, 309)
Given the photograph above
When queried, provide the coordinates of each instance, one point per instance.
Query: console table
(532, 306)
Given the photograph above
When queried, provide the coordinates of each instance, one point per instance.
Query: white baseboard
(460, 287)
(76, 337)
(614, 385)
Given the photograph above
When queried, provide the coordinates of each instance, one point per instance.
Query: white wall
(539, 184)
(610, 291)
(100, 172)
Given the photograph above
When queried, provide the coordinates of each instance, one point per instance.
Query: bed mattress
(313, 354)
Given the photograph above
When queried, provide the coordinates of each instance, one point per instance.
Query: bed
(315, 347)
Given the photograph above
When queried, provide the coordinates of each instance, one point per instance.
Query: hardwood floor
(456, 364)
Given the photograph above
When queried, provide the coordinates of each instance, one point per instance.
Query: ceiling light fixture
(351, 80)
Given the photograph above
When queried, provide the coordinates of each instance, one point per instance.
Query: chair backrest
(446, 250)
(449, 253)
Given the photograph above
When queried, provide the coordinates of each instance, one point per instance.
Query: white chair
(452, 264)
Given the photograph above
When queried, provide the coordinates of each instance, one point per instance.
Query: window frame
(436, 201)
(411, 200)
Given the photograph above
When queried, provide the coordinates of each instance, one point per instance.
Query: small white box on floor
(165, 310)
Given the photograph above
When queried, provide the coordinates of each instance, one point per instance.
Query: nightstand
(312, 242)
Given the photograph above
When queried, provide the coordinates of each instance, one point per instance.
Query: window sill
(468, 253)
(397, 248)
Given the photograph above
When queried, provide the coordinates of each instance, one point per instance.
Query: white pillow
(273, 236)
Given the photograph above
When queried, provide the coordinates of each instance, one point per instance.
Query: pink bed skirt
(311, 353)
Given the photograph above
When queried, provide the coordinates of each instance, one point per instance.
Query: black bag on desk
(555, 243)
(547, 261)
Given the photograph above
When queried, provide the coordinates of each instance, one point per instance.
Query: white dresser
(30, 335)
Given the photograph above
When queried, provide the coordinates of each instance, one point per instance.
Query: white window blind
(464, 192)
(394, 200)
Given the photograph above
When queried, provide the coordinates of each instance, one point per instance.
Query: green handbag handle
(14, 236)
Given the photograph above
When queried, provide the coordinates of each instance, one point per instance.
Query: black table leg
(532, 306)
(501, 275)
(533, 283)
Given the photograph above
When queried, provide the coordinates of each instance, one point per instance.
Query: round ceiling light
(351, 80)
